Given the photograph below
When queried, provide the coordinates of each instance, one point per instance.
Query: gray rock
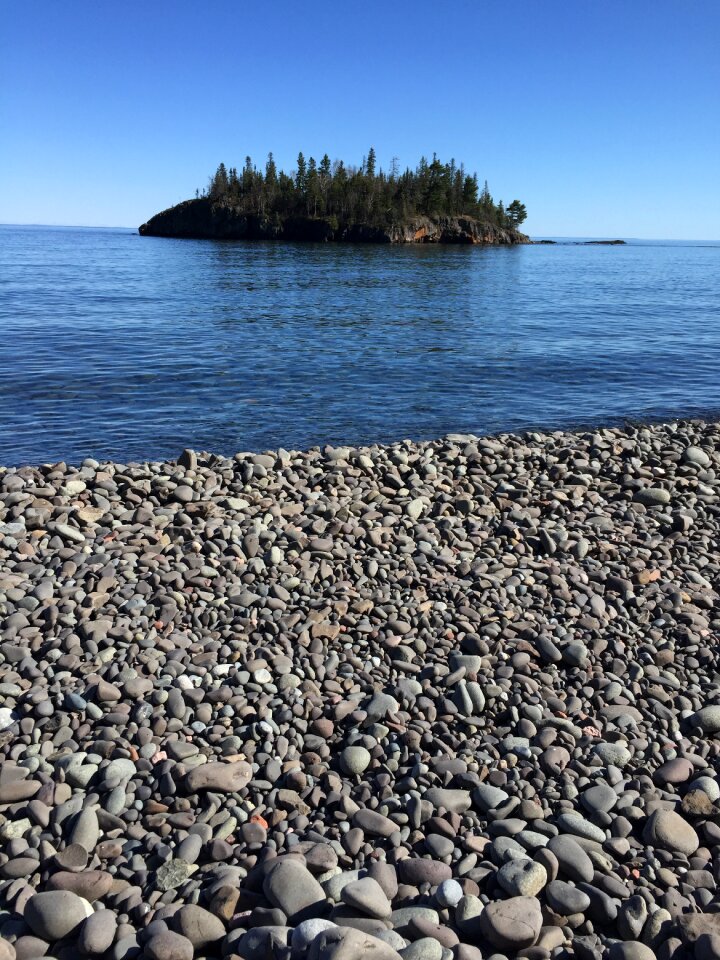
(667, 830)
(522, 878)
(572, 859)
(291, 887)
(305, 932)
(566, 899)
(653, 496)
(97, 933)
(355, 760)
(456, 801)
(55, 914)
(449, 893)
(201, 927)
(168, 946)
(367, 896)
(513, 924)
(707, 719)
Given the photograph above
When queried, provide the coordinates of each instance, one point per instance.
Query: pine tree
(219, 183)
(301, 175)
(270, 170)
(517, 213)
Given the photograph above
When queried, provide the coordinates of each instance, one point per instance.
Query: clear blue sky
(603, 117)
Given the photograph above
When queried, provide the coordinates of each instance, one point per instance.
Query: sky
(602, 117)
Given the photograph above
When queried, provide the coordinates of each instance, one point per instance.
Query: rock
(97, 933)
(630, 950)
(449, 893)
(375, 823)
(456, 801)
(223, 777)
(667, 830)
(522, 878)
(168, 946)
(707, 719)
(172, 874)
(367, 896)
(571, 857)
(653, 496)
(513, 924)
(304, 934)
(200, 926)
(613, 753)
(416, 871)
(425, 948)
(566, 899)
(291, 887)
(55, 914)
(697, 456)
(355, 760)
(599, 798)
(345, 943)
(488, 797)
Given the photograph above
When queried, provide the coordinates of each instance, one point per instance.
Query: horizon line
(539, 236)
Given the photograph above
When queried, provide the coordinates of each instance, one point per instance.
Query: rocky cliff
(203, 219)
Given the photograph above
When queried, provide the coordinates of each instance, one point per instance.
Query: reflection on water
(117, 346)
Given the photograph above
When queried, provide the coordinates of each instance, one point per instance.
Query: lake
(116, 346)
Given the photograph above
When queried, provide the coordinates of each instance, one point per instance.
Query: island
(329, 201)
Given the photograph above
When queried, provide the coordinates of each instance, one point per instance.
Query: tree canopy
(360, 194)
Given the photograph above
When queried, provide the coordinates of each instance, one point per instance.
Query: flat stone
(566, 899)
(367, 896)
(372, 822)
(599, 798)
(488, 797)
(201, 927)
(290, 886)
(417, 870)
(221, 777)
(667, 830)
(168, 946)
(512, 924)
(346, 943)
(653, 496)
(572, 859)
(455, 801)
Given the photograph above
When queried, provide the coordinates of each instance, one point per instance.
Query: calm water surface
(130, 348)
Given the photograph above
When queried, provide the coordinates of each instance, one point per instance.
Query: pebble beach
(443, 700)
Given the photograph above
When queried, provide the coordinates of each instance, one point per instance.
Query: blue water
(129, 348)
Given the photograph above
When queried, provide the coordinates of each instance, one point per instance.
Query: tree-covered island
(435, 202)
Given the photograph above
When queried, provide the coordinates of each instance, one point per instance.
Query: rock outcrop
(204, 219)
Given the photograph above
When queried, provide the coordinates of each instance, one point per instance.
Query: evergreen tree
(313, 188)
(517, 213)
(270, 171)
(362, 194)
(301, 176)
(219, 183)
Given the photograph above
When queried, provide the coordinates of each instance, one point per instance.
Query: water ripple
(129, 348)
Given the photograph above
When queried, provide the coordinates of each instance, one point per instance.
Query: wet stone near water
(441, 700)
